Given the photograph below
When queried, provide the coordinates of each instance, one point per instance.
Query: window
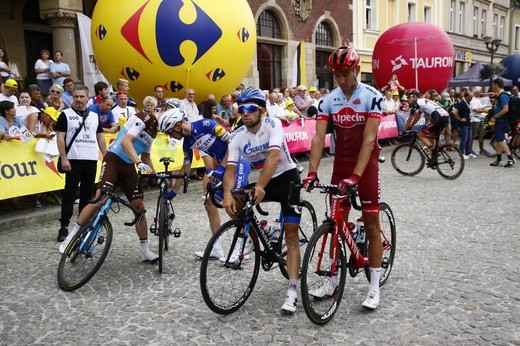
(517, 38)
(269, 55)
(324, 35)
(501, 27)
(475, 22)
(483, 23)
(411, 13)
(427, 14)
(495, 25)
(452, 16)
(370, 14)
(462, 18)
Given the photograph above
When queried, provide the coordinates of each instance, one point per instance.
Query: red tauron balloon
(420, 55)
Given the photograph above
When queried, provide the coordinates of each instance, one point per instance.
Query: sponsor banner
(388, 127)
(23, 171)
(299, 134)
(401, 121)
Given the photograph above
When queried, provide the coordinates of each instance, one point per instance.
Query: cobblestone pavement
(455, 278)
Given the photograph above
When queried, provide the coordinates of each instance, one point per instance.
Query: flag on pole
(91, 72)
(299, 68)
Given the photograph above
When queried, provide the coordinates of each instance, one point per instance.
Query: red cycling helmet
(343, 59)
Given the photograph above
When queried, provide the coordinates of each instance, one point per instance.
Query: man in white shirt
(122, 112)
(477, 122)
(273, 109)
(9, 93)
(389, 106)
(192, 112)
(302, 101)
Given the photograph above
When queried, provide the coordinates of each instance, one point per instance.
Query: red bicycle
(327, 256)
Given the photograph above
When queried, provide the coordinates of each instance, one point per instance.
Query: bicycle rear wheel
(388, 238)
(84, 255)
(227, 283)
(308, 225)
(515, 146)
(450, 162)
(407, 159)
(321, 285)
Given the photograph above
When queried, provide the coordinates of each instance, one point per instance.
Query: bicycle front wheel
(84, 255)
(388, 239)
(308, 225)
(227, 283)
(323, 275)
(407, 159)
(450, 162)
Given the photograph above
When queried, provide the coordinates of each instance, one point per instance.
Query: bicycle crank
(176, 232)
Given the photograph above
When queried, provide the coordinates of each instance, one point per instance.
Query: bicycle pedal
(176, 233)
(101, 240)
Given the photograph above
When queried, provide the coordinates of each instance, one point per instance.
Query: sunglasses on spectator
(248, 108)
(56, 92)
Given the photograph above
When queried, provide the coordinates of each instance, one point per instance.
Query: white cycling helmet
(169, 119)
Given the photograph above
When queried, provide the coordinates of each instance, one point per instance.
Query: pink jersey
(350, 118)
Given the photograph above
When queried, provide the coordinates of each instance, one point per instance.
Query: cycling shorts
(116, 171)
(437, 124)
(278, 190)
(369, 184)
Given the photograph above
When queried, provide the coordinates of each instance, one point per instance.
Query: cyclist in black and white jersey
(262, 141)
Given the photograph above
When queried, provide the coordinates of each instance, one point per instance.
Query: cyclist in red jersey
(355, 109)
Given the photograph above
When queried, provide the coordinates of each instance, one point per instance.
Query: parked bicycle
(512, 139)
(327, 256)
(164, 213)
(410, 158)
(89, 247)
(226, 284)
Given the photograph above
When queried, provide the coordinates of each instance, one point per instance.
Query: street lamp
(492, 45)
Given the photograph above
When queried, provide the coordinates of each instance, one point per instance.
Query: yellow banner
(24, 171)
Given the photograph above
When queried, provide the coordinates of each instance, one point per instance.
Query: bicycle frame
(93, 234)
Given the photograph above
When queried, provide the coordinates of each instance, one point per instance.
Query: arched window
(269, 54)
(324, 39)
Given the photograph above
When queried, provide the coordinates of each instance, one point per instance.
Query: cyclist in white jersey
(262, 141)
(439, 117)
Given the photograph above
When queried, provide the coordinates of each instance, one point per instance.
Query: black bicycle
(226, 284)
(410, 158)
(164, 213)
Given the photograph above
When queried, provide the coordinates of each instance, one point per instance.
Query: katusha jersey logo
(348, 117)
(398, 62)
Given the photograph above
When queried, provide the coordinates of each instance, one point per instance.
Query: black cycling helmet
(411, 92)
(251, 94)
(343, 59)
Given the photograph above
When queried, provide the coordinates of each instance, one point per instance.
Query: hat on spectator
(301, 87)
(289, 102)
(312, 89)
(52, 112)
(11, 83)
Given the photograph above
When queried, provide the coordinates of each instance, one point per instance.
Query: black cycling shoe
(509, 163)
(495, 163)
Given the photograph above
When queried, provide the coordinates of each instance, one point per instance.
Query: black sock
(499, 157)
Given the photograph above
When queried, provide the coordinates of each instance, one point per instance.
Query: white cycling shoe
(327, 289)
(372, 300)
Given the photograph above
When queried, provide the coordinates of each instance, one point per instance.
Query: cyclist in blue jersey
(131, 149)
(211, 138)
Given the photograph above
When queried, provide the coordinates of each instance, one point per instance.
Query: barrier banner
(299, 134)
(388, 127)
(401, 121)
(23, 171)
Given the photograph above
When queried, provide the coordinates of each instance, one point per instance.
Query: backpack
(513, 114)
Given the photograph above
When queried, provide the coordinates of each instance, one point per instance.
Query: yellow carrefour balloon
(207, 45)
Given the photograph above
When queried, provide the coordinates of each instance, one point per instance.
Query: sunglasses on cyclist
(248, 108)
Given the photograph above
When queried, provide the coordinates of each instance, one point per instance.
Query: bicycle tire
(308, 225)
(316, 272)
(76, 269)
(515, 146)
(225, 287)
(450, 162)
(387, 222)
(407, 159)
(163, 228)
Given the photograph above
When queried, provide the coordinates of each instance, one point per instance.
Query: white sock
(218, 245)
(293, 285)
(74, 230)
(375, 274)
(334, 278)
(144, 245)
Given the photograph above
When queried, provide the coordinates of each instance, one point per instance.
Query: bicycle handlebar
(110, 192)
(352, 193)
(167, 176)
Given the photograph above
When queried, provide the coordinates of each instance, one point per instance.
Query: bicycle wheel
(308, 225)
(84, 255)
(388, 238)
(226, 286)
(450, 162)
(163, 228)
(321, 286)
(407, 159)
(515, 145)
